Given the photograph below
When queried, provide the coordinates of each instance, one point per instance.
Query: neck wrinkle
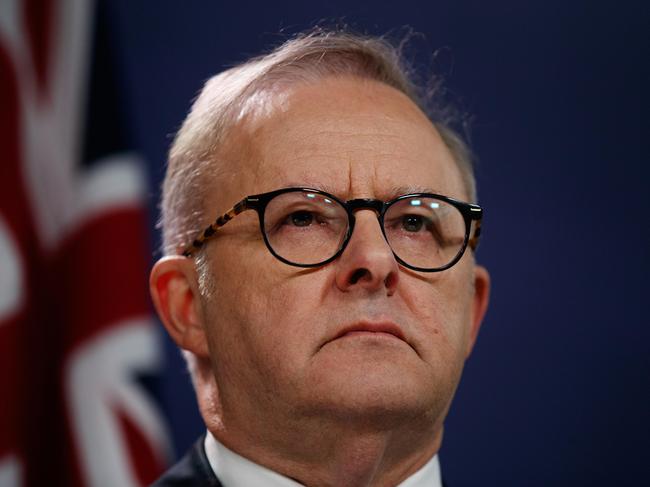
(335, 456)
(324, 452)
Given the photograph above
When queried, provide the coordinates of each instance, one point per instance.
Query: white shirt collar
(233, 470)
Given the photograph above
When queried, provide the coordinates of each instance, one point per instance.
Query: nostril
(391, 280)
(358, 275)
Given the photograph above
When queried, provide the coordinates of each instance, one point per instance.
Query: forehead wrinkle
(350, 175)
(329, 140)
(321, 140)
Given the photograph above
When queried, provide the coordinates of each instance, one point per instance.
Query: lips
(368, 328)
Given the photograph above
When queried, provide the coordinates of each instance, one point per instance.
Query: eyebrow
(400, 190)
(392, 193)
(310, 184)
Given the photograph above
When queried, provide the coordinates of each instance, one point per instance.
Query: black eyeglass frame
(470, 212)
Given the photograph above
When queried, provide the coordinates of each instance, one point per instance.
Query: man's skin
(277, 382)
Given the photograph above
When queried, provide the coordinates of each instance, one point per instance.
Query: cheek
(442, 306)
(260, 318)
(243, 348)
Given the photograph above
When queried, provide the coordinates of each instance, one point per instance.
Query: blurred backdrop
(557, 391)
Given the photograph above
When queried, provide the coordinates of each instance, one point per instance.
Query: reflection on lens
(309, 228)
(424, 232)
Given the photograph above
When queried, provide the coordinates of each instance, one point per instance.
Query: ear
(174, 290)
(479, 303)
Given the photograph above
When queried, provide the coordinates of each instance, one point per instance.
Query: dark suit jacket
(193, 470)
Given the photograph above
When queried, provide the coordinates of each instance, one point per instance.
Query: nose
(367, 263)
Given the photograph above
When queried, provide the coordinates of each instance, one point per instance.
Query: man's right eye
(301, 218)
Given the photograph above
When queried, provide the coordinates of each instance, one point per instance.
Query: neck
(378, 451)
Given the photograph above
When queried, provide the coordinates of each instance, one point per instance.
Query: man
(327, 313)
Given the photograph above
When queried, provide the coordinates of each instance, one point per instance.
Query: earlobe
(174, 291)
(479, 303)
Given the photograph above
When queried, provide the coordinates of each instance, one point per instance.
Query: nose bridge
(365, 203)
(368, 261)
(377, 206)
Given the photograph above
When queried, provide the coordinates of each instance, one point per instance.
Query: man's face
(276, 333)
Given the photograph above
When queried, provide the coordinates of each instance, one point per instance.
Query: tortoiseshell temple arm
(212, 229)
(476, 215)
(473, 241)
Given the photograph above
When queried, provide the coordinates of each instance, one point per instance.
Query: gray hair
(307, 58)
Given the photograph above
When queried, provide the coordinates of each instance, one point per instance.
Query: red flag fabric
(76, 332)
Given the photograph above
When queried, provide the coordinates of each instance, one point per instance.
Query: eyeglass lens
(309, 228)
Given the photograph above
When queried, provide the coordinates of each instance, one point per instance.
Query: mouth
(386, 330)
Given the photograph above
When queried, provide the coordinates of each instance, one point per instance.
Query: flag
(79, 350)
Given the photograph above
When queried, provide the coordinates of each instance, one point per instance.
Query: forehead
(351, 137)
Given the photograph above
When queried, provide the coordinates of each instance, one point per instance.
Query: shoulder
(191, 470)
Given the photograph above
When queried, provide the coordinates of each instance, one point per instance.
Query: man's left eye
(412, 223)
(302, 218)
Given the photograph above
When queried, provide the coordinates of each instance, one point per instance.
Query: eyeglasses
(306, 227)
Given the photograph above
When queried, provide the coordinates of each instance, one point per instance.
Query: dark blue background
(557, 390)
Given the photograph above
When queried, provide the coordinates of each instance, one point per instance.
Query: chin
(376, 380)
(383, 396)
